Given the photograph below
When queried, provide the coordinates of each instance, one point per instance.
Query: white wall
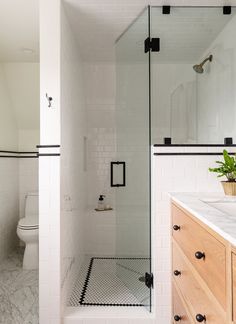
(49, 167)
(8, 122)
(216, 89)
(22, 81)
(28, 181)
(18, 176)
(9, 202)
(73, 160)
(19, 131)
(100, 84)
(174, 174)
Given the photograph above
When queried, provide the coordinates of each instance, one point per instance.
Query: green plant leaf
(227, 167)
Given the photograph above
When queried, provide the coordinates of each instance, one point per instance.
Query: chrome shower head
(199, 67)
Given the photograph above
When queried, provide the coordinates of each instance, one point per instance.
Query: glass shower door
(131, 170)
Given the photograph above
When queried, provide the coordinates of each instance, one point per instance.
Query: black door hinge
(227, 10)
(166, 10)
(149, 280)
(152, 44)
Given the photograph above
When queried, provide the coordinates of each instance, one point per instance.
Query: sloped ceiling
(19, 28)
(23, 86)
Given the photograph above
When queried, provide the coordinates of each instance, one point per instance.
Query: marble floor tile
(18, 292)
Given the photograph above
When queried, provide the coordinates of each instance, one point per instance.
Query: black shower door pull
(118, 164)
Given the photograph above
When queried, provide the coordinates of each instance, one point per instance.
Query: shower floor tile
(99, 283)
(18, 292)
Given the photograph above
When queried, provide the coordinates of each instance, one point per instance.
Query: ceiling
(19, 30)
(98, 23)
(185, 34)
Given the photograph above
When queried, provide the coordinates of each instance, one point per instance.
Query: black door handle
(123, 184)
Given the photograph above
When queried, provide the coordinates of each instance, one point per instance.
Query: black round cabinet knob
(177, 318)
(176, 227)
(199, 255)
(177, 273)
(200, 318)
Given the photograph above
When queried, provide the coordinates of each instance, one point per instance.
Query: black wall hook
(49, 100)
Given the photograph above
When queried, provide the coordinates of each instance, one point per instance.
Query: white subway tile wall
(28, 181)
(100, 105)
(18, 177)
(176, 173)
(73, 160)
(9, 202)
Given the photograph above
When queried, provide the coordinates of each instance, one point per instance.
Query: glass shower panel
(133, 148)
(191, 107)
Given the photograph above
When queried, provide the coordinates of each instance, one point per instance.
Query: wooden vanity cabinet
(234, 284)
(180, 313)
(203, 272)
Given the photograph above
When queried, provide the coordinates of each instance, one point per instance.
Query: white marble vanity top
(204, 206)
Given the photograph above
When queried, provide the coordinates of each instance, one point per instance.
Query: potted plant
(227, 168)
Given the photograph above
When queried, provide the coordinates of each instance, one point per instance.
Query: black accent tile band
(194, 145)
(49, 154)
(47, 146)
(191, 153)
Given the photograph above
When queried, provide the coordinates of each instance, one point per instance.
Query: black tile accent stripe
(47, 146)
(49, 154)
(86, 283)
(191, 153)
(194, 145)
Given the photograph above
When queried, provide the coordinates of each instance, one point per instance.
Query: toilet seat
(28, 223)
(28, 227)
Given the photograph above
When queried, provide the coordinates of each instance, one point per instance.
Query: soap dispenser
(101, 204)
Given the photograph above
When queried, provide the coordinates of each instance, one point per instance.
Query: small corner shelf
(104, 210)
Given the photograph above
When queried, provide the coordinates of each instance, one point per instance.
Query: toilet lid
(27, 222)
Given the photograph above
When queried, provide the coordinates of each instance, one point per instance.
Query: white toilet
(28, 232)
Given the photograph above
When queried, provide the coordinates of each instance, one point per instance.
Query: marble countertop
(197, 204)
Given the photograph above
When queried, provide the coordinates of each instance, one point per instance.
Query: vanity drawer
(179, 310)
(204, 251)
(198, 300)
(234, 285)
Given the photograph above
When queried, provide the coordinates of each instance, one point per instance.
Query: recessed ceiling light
(26, 50)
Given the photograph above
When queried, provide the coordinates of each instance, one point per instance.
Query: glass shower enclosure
(165, 93)
(130, 174)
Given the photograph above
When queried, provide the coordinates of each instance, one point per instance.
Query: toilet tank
(31, 204)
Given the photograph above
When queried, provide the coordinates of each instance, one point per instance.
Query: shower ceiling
(97, 23)
(184, 35)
